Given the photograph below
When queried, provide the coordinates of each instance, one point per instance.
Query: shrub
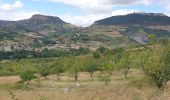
(27, 76)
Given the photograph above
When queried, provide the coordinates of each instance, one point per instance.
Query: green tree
(45, 70)
(58, 69)
(74, 68)
(127, 61)
(152, 39)
(27, 76)
(112, 60)
(101, 49)
(156, 64)
(96, 55)
(90, 66)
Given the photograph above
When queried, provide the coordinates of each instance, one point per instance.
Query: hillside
(136, 19)
(40, 32)
(37, 23)
(137, 26)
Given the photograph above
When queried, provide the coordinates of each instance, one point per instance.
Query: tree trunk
(126, 72)
(76, 76)
(46, 77)
(58, 77)
(91, 74)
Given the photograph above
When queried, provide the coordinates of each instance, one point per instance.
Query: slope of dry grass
(137, 87)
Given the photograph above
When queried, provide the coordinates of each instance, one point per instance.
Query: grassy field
(136, 87)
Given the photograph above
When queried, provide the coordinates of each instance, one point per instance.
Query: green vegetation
(27, 76)
(155, 63)
(44, 70)
(152, 61)
(43, 54)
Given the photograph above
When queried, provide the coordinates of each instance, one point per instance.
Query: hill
(137, 26)
(37, 23)
(37, 31)
(136, 19)
(40, 32)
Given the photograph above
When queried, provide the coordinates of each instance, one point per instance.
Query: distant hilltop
(149, 14)
(136, 18)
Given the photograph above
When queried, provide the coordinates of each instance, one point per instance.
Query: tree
(44, 70)
(90, 66)
(96, 55)
(106, 65)
(127, 61)
(101, 49)
(74, 68)
(112, 60)
(152, 38)
(156, 64)
(58, 69)
(27, 76)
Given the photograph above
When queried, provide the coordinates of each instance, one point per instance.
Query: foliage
(90, 66)
(27, 76)
(58, 68)
(96, 55)
(101, 49)
(43, 54)
(74, 68)
(155, 63)
(111, 60)
(45, 70)
(127, 61)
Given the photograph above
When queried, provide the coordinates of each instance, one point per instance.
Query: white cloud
(88, 5)
(123, 12)
(9, 7)
(82, 20)
(17, 4)
(131, 2)
(12, 11)
(18, 15)
(91, 18)
(101, 6)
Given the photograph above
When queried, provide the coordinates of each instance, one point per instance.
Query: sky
(79, 12)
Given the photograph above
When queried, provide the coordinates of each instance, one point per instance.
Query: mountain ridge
(41, 31)
(36, 23)
(136, 18)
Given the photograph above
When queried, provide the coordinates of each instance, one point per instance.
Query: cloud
(101, 6)
(9, 7)
(17, 15)
(91, 18)
(17, 4)
(88, 5)
(123, 12)
(13, 11)
(131, 2)
(82, 20)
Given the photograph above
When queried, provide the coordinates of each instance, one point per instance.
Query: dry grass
(9, 79)
(133, 88)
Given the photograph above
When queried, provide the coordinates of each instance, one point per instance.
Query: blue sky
(79, 12)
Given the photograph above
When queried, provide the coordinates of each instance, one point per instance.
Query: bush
(27, 76)
(96, 55)
(45, 70)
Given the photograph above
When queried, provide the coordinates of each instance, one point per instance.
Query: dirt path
(9, 79)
